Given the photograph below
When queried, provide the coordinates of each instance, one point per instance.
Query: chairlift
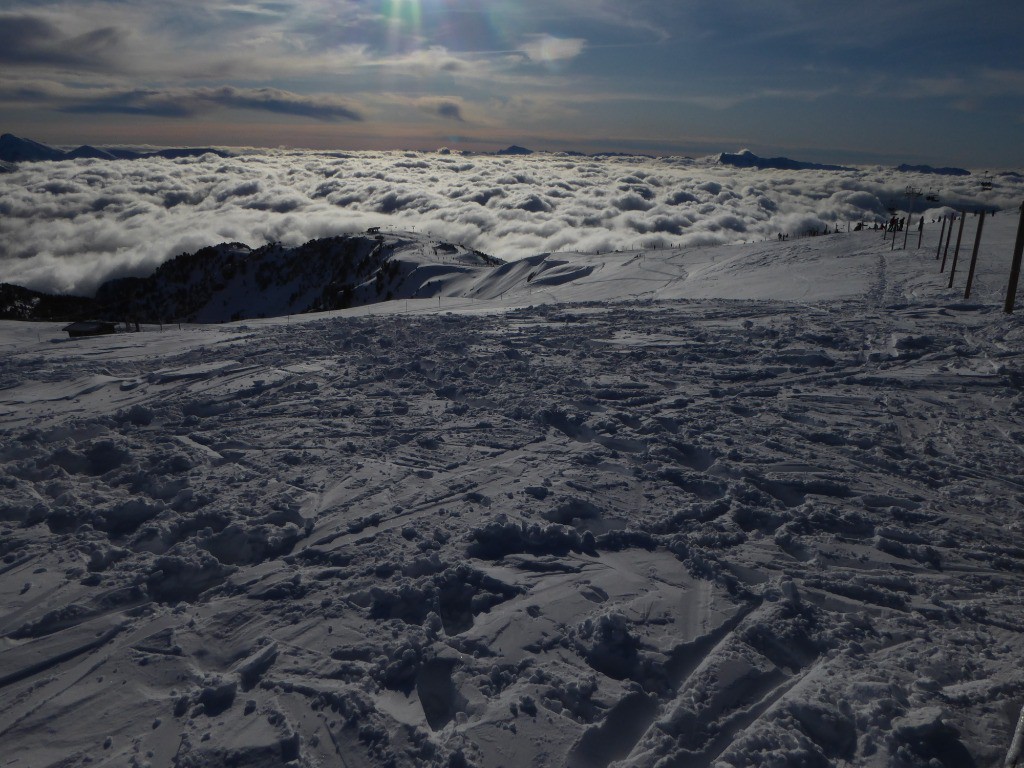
(931, 197)
(986, 182)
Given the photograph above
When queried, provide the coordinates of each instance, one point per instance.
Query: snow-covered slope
(756, 505)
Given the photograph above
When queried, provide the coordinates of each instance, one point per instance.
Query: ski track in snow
(646, 533)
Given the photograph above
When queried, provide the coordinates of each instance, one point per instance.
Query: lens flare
(456, 25)
(404, 20)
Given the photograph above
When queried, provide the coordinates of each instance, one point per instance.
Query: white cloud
(548, 48)
(70, 225)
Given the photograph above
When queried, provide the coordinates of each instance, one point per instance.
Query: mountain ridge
(232, 281)
(14, 149)
(747, 159)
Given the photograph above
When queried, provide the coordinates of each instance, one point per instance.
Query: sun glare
(405, 17)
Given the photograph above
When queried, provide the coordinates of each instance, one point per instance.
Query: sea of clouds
(68, 226)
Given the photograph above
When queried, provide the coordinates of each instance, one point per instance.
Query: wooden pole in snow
(949, 234)
(974, 256)
(1017, 745)
(956, 251)
(942, 234)
(913, 194)
(1011, 289)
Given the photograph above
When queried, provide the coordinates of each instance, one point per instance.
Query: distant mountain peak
(15, 149)
(747, 159)
(514, 150)
(86, 151)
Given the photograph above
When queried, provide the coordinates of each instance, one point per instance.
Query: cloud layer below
(68, 226)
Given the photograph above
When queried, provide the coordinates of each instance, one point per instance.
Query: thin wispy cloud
(180, 102)
(548, 48)
(190, 102)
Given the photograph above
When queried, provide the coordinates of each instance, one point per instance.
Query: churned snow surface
(751, 505)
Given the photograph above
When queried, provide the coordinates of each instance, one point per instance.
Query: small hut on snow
(89, 328)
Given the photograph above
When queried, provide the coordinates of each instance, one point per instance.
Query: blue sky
(936, 81)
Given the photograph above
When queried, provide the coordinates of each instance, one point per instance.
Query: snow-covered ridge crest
(232, 281)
